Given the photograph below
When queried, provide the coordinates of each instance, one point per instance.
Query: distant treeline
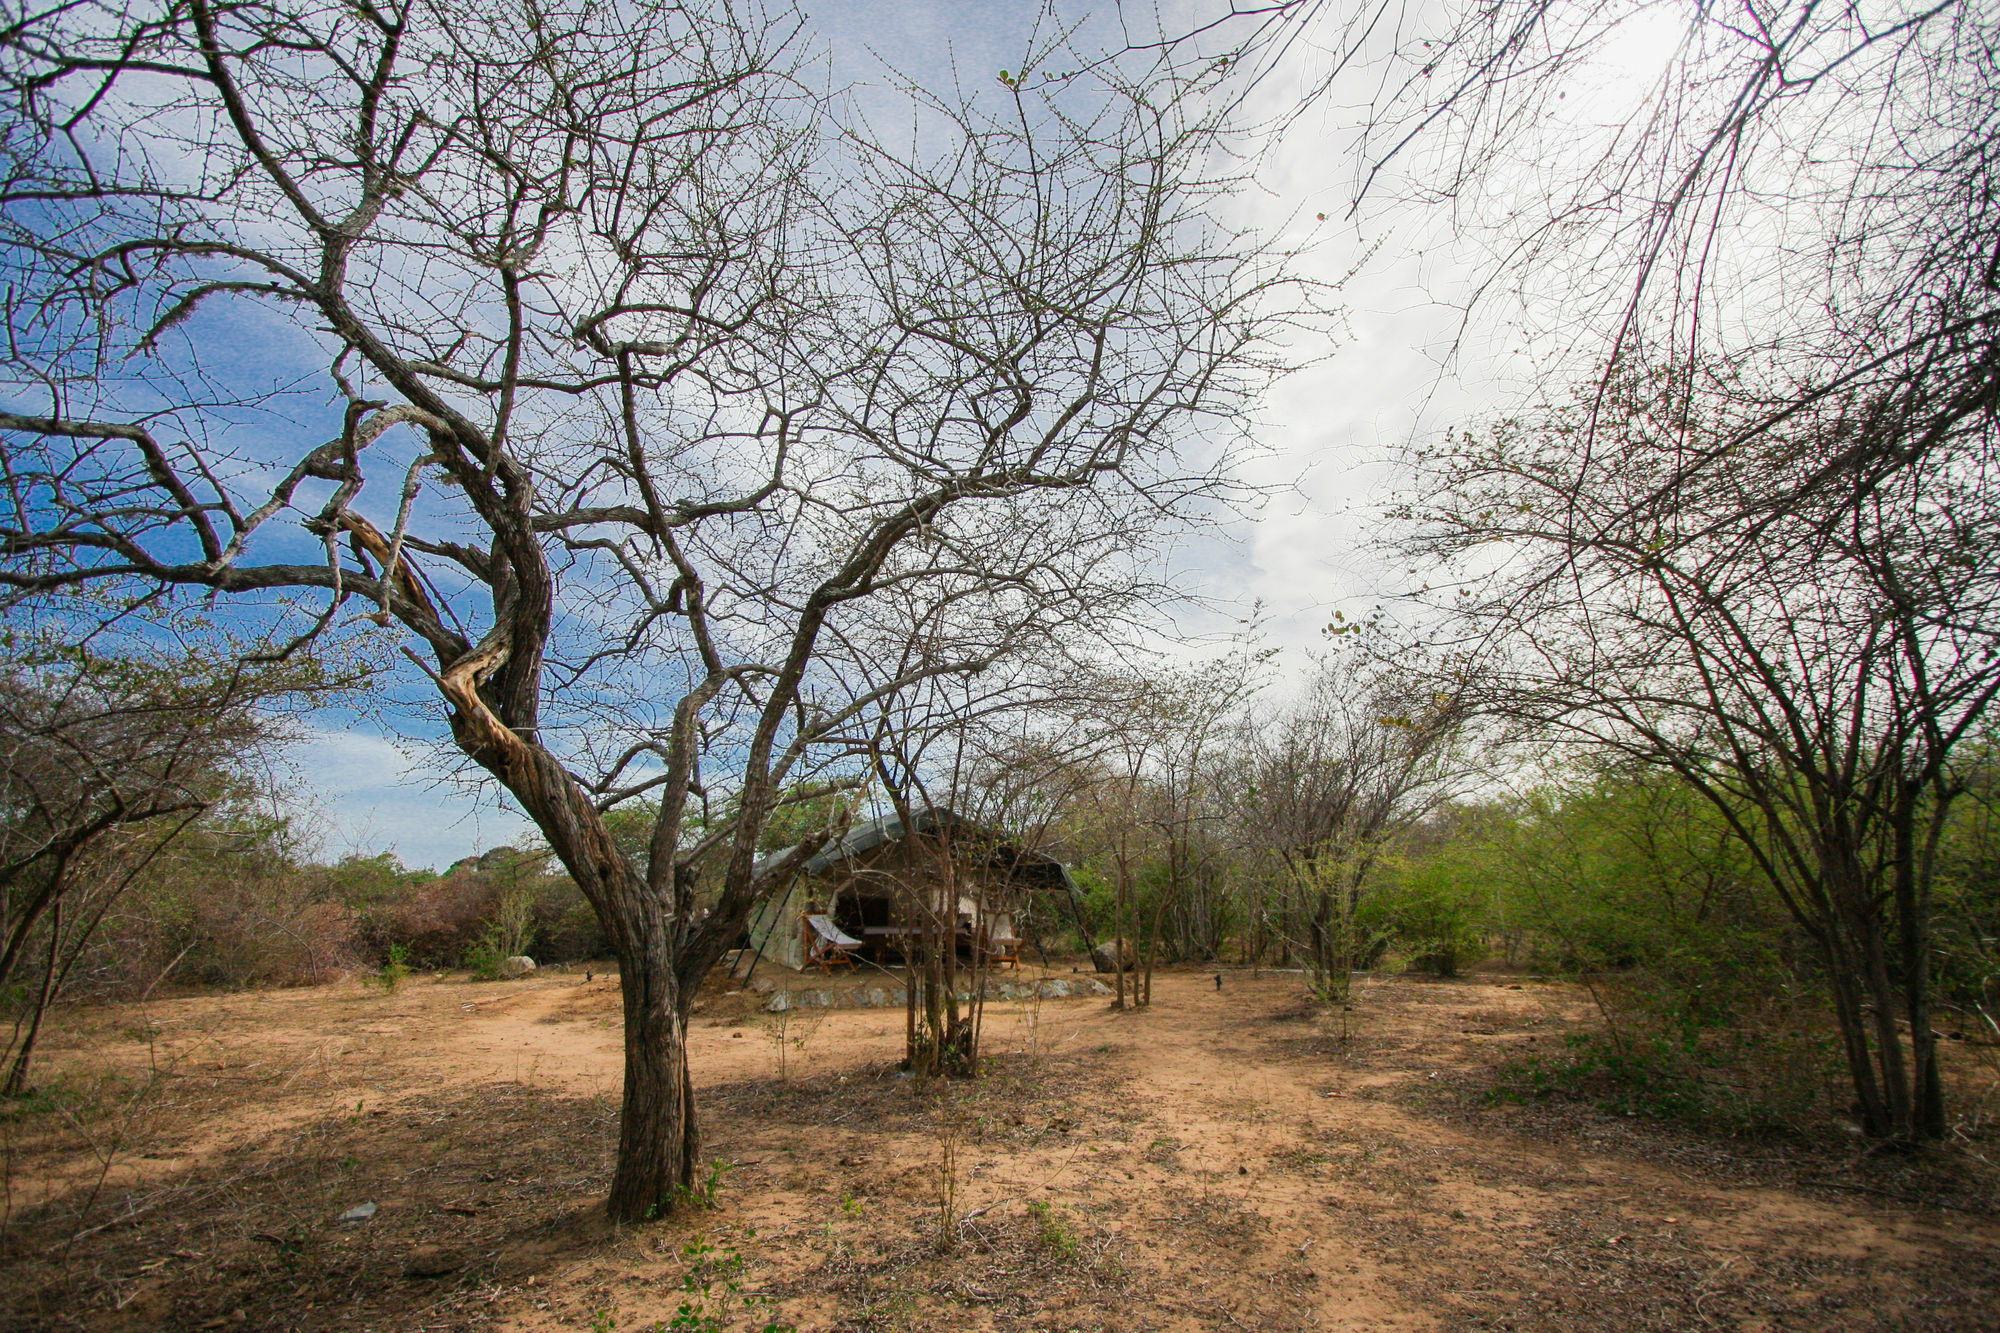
(236, 903)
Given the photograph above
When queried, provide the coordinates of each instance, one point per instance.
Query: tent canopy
(864, 876)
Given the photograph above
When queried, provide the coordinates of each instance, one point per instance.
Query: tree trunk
(1868, 1099)
(1152, 944)
(658, 1141)
(1913, 880)
(17, 1072)
(1893, 1068)
(1121, 933)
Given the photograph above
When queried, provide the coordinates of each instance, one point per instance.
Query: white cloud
(375, 795)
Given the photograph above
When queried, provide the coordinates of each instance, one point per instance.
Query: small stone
(427, 1261)
(360, 1212)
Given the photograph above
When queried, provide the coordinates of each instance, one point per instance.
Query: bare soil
(1232, 1159)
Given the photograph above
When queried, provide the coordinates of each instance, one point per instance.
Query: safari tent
(873, 881)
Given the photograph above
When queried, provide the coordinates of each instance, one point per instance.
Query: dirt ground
(1228, 1159)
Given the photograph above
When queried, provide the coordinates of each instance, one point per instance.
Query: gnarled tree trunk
(658, 1142)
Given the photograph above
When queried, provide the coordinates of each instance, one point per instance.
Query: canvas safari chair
(1004, 949)
(1001, 943)
(827, 944)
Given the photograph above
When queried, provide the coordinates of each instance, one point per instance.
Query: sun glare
(1639, 49)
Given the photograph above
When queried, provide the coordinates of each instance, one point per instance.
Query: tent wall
(774, 929)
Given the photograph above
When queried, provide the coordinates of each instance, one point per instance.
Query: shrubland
(241, 901)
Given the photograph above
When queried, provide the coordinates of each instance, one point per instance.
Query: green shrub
(395, 971)
(1722, 1081)
(485, 960)
(1434, 913)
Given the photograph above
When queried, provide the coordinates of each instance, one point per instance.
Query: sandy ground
(1227, 1159)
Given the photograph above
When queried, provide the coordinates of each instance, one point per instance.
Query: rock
(1098, 988)
(1107, 961)
(520, 965)
(360, 1212)
(1055, 990)
(432, 1261)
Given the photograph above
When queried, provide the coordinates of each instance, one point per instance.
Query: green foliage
(1435, 910)
(1710, 1003)
(1739, 1081)
(1099, 897)
(805, 810)
(631, 827)
(712, 1295)
(708, 1191)
(370, 885)
(1633, 872)
(1966, 942)
(1053, 1234)
(486, 960)
(394, 971)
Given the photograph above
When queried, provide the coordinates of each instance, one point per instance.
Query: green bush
(395, 970)
(485, 960)
(1735, 1081)
(1434, 913)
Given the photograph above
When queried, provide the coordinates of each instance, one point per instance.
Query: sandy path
(1311, 1201)
(1221, 1160)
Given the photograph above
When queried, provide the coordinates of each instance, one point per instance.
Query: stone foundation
(885, 997)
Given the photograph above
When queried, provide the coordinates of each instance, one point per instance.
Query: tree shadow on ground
(473, 1189)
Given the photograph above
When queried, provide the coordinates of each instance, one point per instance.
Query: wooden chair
(827, 944)
(1004, 949)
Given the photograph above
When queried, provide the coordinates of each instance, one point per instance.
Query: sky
(1328, 432)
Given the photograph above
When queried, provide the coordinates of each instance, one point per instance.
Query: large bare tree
(1756, 548)
(1812, 670)
(582, 348)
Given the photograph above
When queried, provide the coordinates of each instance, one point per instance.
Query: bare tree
(1812, 672)
(107, 752)
(657, 374)
(1776, 268)
(1134, 753)
(1328, 783)
(1193, 714)
(1799, 191)
(932, 752)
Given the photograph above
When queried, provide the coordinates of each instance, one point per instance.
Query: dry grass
(1233, 1161)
